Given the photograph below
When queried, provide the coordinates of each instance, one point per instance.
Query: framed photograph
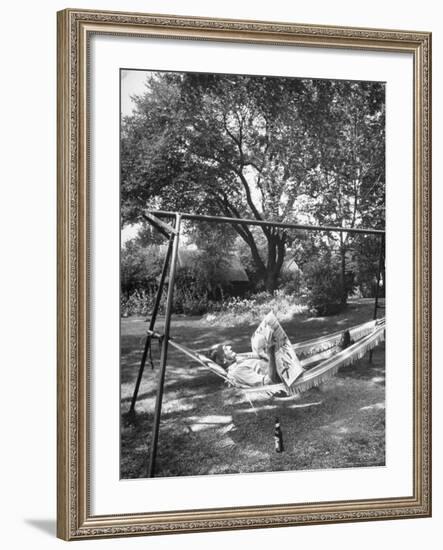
(244, 315)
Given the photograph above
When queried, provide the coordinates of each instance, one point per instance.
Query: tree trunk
(276, 256)
(271, 281)
(267, 272)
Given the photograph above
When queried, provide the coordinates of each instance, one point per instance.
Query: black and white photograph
(218, 224)
(252, 274)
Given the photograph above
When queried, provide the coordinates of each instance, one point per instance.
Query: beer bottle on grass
(278, 437)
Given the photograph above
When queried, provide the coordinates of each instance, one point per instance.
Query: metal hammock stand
(172, 233)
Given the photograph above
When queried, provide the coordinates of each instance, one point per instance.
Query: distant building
(231, 274)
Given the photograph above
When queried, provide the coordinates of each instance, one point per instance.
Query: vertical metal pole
(164, 351)
(380, 267)
(151, 325)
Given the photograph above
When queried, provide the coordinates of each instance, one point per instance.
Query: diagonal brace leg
(164, 351)
(151, 325)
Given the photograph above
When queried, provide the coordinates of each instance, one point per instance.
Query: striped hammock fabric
(320, 350)
(329, 367)
(322, 343)
(204, 361)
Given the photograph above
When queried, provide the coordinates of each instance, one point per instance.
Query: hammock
(334, 360)
(321, 352)
(316, 349)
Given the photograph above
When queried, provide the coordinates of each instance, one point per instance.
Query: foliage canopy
(282, 149)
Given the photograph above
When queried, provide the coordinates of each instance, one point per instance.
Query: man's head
(223, 355)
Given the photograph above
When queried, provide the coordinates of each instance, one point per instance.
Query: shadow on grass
(208, 428)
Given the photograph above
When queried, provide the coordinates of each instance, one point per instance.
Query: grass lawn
(209, 428)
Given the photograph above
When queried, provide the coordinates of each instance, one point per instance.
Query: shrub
(140, 266)
(191, 292)
(140, 302)
(190, 296)
(290, 281)
(323, 287)
(250, 310)
(189, 301)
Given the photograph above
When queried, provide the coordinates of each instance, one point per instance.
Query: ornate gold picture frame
(75, 517)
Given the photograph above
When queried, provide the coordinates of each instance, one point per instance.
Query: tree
(347, 185)
(243, 147)
(140, 266)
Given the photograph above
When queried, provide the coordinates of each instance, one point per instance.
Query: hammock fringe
(323, 343)
(329, 368)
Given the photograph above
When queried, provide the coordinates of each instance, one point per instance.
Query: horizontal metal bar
(163, 227)
(240, 221)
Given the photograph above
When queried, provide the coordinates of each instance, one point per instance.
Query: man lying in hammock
(272, 360)
(247, 371)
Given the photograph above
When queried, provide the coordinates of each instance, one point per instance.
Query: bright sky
(129, 232)
(132, 83)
